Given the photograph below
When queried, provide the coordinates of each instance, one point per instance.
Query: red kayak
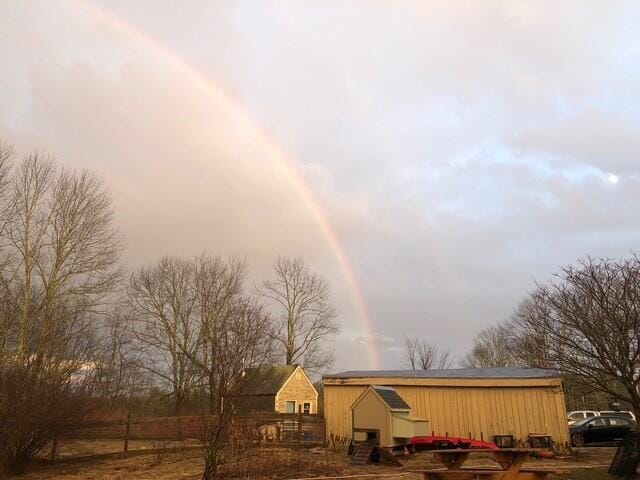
(441, 442)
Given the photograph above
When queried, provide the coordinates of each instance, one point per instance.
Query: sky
(431, 159)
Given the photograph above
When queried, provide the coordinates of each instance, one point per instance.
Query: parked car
(599, 429)
(573, 417)
(621, 413)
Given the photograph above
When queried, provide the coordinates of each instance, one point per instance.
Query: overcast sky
(460, 150)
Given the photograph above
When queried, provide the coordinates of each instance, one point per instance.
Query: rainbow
(273, 151)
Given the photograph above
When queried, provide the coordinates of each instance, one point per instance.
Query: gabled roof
(479, 373)
(267, 380)
(391, 398)
(387, 395)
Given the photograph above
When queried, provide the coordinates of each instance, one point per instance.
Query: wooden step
(362, 454)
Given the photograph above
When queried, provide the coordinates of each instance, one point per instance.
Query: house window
(306, 408)
(291, 406)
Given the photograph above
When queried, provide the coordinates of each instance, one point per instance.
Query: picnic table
(509, 459)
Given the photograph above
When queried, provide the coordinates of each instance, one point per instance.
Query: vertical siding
(337, 409)
(481, 411)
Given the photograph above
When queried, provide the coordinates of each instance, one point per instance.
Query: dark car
(600, 429)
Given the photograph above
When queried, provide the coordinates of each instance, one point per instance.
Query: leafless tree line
(584, 323)
(422, 355)
(183, 311)
(496, 346)
(77, 333)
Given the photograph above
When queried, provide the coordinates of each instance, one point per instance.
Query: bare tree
(234, 333)
(120, 375)
(306, 319)
(240, 341)
(422, 355)
(165, 320)
(589, 317)
(492, 348)
(530, 344)
(59, 264)
(218, 290)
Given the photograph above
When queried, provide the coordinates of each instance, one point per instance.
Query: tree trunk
(54, 447)
(213, 406)
(127, 431)
(636, 412)
(179, 406)
(210, 467)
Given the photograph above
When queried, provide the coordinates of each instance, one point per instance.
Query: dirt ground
(98, 460)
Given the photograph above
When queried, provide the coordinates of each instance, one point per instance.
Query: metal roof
(453, 373)
(391, 398)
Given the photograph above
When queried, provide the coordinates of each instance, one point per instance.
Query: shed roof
(452, 373)
(391, 398)
(267, 380)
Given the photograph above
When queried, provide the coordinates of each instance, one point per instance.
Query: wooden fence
(279, 429)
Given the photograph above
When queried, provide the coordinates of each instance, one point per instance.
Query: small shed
(381, 415)
(279, 389)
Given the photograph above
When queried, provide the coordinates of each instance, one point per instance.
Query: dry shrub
(272, 462)
(35, 406)
(160, 456)
(248, 455)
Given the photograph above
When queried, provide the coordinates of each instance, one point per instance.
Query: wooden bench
(510, 460)
(491, 473)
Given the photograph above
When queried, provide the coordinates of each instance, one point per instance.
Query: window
(291, 406)
(618, 422)
(590, 414)
(617, 414)
(576, 416)
(598, 422)
(306, 408)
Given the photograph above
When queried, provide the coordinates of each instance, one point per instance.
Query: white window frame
(295, 406)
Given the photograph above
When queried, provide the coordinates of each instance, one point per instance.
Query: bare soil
(98, 460)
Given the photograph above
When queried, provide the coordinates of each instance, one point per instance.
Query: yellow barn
(477, 403)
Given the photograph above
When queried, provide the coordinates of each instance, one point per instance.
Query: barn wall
(337, 409)
(481, 411)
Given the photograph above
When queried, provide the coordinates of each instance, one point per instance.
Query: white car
(573, 417)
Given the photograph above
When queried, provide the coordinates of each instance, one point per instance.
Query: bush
(36, 404)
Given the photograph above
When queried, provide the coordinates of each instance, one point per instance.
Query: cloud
(459, 150)
(606, 140)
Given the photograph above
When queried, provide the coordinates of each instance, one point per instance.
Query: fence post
(54, 446)
(299, 429)
(127, 430)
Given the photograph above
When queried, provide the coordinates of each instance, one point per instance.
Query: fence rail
(281, 429)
